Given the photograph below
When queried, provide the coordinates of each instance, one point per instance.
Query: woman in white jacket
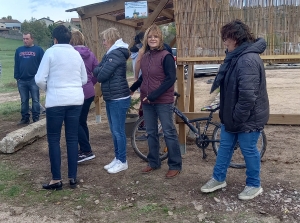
(61, 75)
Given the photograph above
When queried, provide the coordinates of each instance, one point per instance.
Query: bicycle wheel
(140, 144)
(237, 160)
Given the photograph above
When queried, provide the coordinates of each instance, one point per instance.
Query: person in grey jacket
(244, 106)
(111, 73)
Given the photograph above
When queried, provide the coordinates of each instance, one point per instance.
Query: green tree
(39, 30)
(9, 17)
(169, 32)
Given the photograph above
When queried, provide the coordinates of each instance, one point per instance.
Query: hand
(146, 99)
(131, 93)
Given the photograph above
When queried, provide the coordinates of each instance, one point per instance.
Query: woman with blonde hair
(77, 41)
(111, 73)
(157, 95)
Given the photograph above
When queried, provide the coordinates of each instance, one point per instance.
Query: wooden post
(180, 87)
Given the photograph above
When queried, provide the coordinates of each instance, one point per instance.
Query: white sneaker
(111, 164)
(250, 193)
(118, 167)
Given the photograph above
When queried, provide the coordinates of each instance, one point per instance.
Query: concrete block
(16, 140)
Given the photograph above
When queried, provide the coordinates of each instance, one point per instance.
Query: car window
(174, 51)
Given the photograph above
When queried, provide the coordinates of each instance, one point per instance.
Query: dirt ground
(133, 197)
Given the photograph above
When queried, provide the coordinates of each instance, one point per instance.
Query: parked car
(199, 69)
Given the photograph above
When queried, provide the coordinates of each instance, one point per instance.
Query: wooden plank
(95, 36)
(150, 20)
(173, 42)
(275, 119)
(192, 99)
(180, 89)
(188, 88)
(123, 21)
(264, 57)
(164, 12)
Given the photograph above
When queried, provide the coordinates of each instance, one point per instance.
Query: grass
(9, 110)
(7, 53)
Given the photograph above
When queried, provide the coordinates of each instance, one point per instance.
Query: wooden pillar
(95, 49)
(180, 88)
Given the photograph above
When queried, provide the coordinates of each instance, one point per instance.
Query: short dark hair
(238, 31)
(28, 33)
(62, 34)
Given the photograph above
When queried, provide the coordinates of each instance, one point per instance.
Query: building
(11, 24)
(47, 21)
(75, 22)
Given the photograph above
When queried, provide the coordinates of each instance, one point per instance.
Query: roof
(75, 19)
(9, 21)
(114, 10)
(45, 19)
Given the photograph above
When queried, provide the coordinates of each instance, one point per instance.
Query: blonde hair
(77, 38)
(111, 35)
(157, 31)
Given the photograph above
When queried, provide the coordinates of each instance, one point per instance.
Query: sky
(55, 9)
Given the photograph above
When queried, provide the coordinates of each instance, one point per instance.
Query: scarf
(226, 65)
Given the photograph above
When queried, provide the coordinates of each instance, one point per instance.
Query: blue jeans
(165, 114)
(83, 131)
(24, 88)
(116, 115)
(249, 150)
(55, 116)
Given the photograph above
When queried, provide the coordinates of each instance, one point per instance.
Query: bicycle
(205, 131)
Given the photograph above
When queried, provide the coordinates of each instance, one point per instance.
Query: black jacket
(111, 73)
(244, 103)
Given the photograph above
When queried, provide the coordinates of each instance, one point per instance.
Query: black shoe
(56, 186)
(36, 120)
(85, 156)
(24, 122)
(73, 183)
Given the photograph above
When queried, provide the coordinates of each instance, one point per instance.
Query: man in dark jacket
(244, 106)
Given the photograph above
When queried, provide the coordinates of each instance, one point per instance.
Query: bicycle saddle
(213, 107)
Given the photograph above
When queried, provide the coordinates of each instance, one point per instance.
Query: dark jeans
(116, 114)
(165, 114)
(24, 88)
(55, 116)
(83, 131)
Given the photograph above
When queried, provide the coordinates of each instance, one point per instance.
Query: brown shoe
(172, 173)
(148, 169)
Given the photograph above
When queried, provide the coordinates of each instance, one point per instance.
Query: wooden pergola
(198, 40)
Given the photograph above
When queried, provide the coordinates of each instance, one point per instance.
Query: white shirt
(61, 75)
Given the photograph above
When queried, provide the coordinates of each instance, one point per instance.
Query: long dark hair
(238, 31)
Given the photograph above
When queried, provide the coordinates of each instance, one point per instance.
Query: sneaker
(212, 185)
(24, 122)
(85, 156)
(118, 167)
(111, 164)
(250, 193)
(141, 138)
(43, 112)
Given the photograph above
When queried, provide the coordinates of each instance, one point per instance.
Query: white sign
(136, 10)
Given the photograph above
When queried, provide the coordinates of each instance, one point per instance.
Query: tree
(169, 32)
(39, 30)
(9, 17)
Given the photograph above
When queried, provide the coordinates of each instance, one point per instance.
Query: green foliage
(169, 32)
(39, 30)
(133, 103)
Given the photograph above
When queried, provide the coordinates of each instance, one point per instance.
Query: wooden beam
(188, 88)
(150, 20)
(173, 42)
(221, 58)
(275, 119)
(180, 89)
(164, 12)
(103, 8)
(124, 21)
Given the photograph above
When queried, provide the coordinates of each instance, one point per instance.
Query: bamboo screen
(198, 25)
(127, 33)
